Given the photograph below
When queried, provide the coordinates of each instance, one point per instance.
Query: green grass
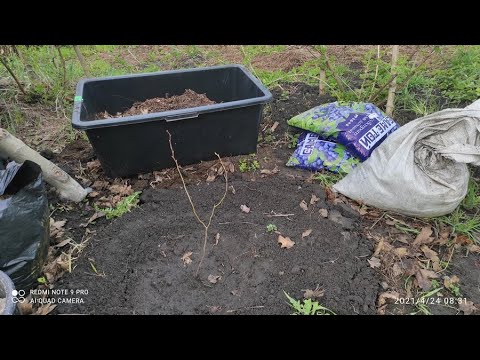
(307, 307)
(463, 223)
(327, 179)
(122, 207)
(472, 199)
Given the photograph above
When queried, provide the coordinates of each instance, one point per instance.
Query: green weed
(327, 179)
(271, 228)
(307, 307)
(122, 207)
(248, 164)
(463, 223)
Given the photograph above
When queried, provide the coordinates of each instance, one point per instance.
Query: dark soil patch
(140, 255)
(188, 99)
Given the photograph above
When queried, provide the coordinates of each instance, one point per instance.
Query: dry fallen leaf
(463, 240)
(382, 299)
(93, 194)
(379, 247)
(56, 228)
(217, 237)
(270, 172)
(99, 185)
(474, 248)
(423, 277)
(323, 213)
(306, 233)
(45, 309)
(374, 262)
(285, 242)
(390, 222)
(467, 307)
(313, 294)
(400, 252)
(186, 258)
(245, 208)
(403, 238)
(94, 217)
(121, 189)
(430, 254)
(25, 308)
(330, 194)
(448, 281)
(304, 205)
(63, 243)
(313, 199)
(397, 270)
(214, 278)
(274, 126)
(424, 236)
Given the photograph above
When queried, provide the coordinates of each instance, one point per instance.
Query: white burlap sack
(420, 170)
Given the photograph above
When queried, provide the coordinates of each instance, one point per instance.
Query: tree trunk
(393, 85)
(16, 150)
(81, 59)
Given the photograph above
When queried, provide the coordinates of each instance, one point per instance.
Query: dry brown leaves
(217, 170)
(323, 213)
(245, 208)
(214, 278)
(266, 172)
(304, 205)
(186, 258)
(285, 242)
(306, 233)
(313, 294)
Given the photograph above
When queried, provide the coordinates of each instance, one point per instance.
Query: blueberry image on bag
(360, 127)
(314, 154)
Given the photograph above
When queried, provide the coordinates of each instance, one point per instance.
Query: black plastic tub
(139, 144)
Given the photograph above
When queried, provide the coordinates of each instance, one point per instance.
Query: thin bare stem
(206, 226)
(20, 86)
(81, 59)
(376, 69)
(393, 86)
(64, 67)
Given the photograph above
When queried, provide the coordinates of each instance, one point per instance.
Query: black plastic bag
(24, 223)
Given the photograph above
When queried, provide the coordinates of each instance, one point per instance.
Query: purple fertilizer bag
(360, 127)
(315, 154)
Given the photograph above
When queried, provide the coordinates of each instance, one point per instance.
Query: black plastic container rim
(173, 115)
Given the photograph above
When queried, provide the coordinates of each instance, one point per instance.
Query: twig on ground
(205, 225)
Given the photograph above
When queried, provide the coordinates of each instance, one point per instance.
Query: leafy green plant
(307, 307)
(122, 207)
(42, 280)
(472, 199)
(248, 164)
(327, 179)
(292, 140)
(271, 228)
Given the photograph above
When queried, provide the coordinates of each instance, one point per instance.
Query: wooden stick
(16, 150)
(81, 59)
(393, 86)
(321, 83)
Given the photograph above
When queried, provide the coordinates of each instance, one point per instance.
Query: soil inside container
(188, 99)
